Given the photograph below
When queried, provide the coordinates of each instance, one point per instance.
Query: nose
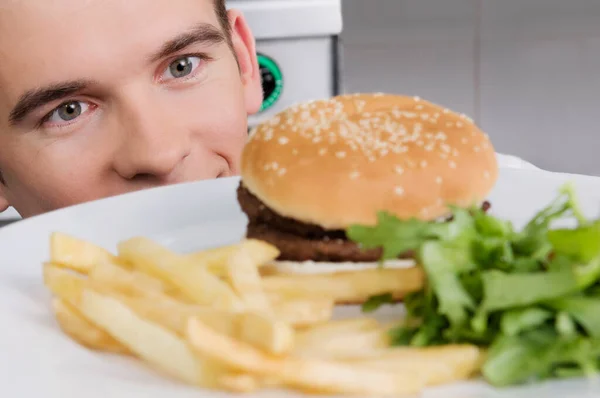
(153, 146)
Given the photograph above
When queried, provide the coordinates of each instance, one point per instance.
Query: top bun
(339, 161)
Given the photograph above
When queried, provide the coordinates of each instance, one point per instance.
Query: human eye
(67, 113)
(182, 67)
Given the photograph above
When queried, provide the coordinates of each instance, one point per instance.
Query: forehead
(52, 40)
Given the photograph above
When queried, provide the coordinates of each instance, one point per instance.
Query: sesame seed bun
(339, 161)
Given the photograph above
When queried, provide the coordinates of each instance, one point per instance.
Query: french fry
(303, 312)
(256, 329)
(174, 315)
(263, 332)
(438, 365)
(216, 259)
(348, 286)
(305, 374)
(156, 345)
(77, 327)
(193, 280)
(239, 382)
(339, 339)
(129, 282)
(335, 328)
(76, 254)
(64, 284)
(244, 278)
(344, 345)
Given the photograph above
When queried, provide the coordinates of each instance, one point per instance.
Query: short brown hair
(221, 11)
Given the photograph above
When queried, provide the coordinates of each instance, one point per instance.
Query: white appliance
(297, 45)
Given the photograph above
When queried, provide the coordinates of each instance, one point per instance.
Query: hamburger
(313, 170)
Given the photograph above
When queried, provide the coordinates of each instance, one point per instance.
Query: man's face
(101, 97)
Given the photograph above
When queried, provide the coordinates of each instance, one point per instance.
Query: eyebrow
(38, 97)
(202, 33)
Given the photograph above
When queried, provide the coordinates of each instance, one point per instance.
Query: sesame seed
(360, 105)
(446, 111)
(459, 124)
(449, 124)
(438, 180)
(485, 145)
(283, 140)
(316, 140)
(419, 107)
(476, 149)
(399, 191)
(322, 151)
(425, 211)
(398, 169)
(378, 95)
(452, 164)
(354, 175)
(274, 165)
(420, 143)
(464, 140)
(268, 135)
(423, 164)
(281, 172)
(372, 159)
(294, 152)
(486, 175)
(340, 154)
(417, 98)
(440, 201)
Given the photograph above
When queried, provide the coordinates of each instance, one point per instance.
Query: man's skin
(102, 97)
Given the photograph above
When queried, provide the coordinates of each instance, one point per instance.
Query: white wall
(527, 70)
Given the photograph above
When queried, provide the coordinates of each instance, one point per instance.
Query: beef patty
(299, 241)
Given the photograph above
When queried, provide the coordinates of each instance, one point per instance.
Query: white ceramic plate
(36, 360)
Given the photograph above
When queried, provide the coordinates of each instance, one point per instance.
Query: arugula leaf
(565, 326)
(585, 310)
(520, 320)
(515, 359)
(374, 302)
(581, 244)
(506, 291)
(394, 236)
(442, 263)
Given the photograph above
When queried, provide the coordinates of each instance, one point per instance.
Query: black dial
(268, 81)
(272, 81)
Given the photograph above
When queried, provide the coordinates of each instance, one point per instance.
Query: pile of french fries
(224, 319)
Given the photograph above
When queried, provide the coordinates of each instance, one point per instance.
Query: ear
(244, 48)
(3, 200)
